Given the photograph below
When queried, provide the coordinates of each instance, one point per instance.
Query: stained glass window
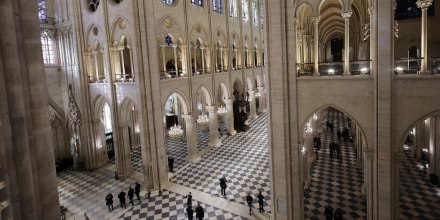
(47, 47)
(261, 17)
(168, 2)
(255, 17)
(197, 2)
(233, 8)
(217, 6)
(245, 11)
(42, 15)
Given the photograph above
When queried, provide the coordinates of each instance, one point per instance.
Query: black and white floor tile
(136, 159)
(172, 206)
(419, 199)
(335, 181)
(242, 159)
(177, 148)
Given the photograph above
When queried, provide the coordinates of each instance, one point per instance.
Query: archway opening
(419, 190)
(331, 158)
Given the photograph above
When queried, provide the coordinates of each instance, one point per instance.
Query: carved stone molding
(424, 4)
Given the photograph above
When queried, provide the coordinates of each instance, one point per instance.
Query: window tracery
(217, 6)
(233, 8)
(47, 47)
(245, 11)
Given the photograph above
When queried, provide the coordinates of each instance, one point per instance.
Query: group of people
(250, 201)
(200, 212)
(330, 215)
(122, 195)
(345, 134)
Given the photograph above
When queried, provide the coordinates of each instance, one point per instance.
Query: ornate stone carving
(316, 19)
(424, 4)
(74, 114)
(346, 14)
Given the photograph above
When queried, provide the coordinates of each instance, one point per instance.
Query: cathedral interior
(320, 106)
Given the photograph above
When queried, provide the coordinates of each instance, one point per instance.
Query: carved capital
(346, 14)
(424, 4)
(316, 19)
(210, 109)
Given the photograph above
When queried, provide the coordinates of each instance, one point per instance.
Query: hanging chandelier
(203, 119)
(175, 131)
(222, 111)
(257, 94)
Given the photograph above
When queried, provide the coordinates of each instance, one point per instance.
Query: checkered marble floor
(136, 159)
(172, 206)
(203, 137)
(242, 159)
(335, 182)
(83, 191)
(419, 199)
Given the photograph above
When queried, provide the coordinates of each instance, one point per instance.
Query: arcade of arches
(317, 104)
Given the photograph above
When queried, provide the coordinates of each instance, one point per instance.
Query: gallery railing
(360, 67)
(124, 78)
(172, 74)
(305, 69)
(100, 79)
(331, 69)
(435, 65)
(407, 66)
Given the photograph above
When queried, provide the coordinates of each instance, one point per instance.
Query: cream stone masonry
(424, 5)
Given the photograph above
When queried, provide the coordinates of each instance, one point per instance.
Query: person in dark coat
(328, 213)
(190, 212)
(130, 194)
(223, 185)
(338, 214)
(200, 213)
(339, 134)
(171, 164)
(260, 198)
(337, 150)
(189, 200)
(109, 201)
(331, 146)
(137, 190)
(249, 201)
(121, 197)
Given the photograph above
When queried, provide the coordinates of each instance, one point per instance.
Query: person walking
(190, 212)
(338, 214)
(137, 190)
(121, 197)
(328, 213)
(249, 201)
(130, 194)
(85, 216)
(109, 201)
(223, 185)
(171, 164)
(200, 213)
(339, 134)
(260, 198)
(189, 199)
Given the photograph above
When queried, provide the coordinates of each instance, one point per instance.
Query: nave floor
(243, 159)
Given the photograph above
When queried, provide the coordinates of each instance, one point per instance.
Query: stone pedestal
(213, 127)
(230, 117)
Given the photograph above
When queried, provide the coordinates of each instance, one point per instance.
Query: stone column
(213, 126)
(308, 142)
(124, 151)
(315, 21)
(346, 15)
(436, 142)
(191, 139)
(229, 117)
(424, 5)
(203, 59)
(367, 187)
(221, 59)
(175, 60)
(253, 107)
(262, 99)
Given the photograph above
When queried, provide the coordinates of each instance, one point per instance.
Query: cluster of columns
(305, 46)
(118, 61)
(424, 5)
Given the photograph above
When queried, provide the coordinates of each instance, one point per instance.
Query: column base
(253, 116)
(232, 133)
(216, 143)
(424, 72)
(346, 74)
(262, 110)
(194, 159)
(316, 74)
